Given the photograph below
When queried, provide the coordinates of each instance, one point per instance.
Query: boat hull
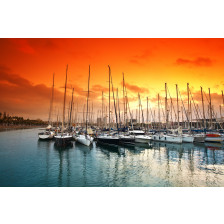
(83, 140)
(167, 138)
(199, 138)
(108, 141)
(126, 140)
(63, 141)
(45, 137)
(213, 139)
(142, 139)
(187, 138)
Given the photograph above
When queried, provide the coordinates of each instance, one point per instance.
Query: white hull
(142, 139)
(84, 140)
(187, 138)
(167, 138)
(45, 137)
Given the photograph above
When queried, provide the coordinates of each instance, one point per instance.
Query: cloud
(23, 46)
(99, 88)
(19, 95)
(198, 62)
(33, 45)
(140, 58)
(135, 89)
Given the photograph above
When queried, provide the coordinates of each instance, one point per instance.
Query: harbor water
(26, 161)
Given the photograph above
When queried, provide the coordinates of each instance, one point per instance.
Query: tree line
(6, 119)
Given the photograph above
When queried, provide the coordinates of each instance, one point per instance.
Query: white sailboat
(188, 138)
(143, 139)
(140, 136)
(173, 138)
(46, 135)
(85, 139)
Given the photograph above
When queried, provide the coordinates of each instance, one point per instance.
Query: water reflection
(107, 149)
(155, 164)
(41, 163)
(192, 161)
(46, 145)
(64, 164)
(214, 146)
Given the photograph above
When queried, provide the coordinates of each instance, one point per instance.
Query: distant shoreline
(18, 127)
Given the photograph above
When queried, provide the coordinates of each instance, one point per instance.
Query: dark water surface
(26, 161)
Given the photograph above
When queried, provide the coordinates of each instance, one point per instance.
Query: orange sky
(27, 66)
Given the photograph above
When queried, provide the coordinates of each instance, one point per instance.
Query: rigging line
(183, 106)
(163, 116)
(172, 104)
(206, 96)
(128, 104)
(197, 115)
(214, 116)
(153, 118)
(213, 111)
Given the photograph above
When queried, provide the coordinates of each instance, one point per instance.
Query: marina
(99, 128)
(26, 161)
(111, 112)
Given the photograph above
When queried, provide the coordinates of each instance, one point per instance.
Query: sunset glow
(27, 67)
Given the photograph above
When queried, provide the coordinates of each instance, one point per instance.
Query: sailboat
(64, 138)
(109, 139)
(188, 137)
(48, 133)
(140, 136)
(85, 139)
(214, 137)
(172, 135)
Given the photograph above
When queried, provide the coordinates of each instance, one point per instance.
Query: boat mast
(178, 118)
(118, 108)
(203, 109)
(87, 107)
(128, 107)
(57, 119)
(222, 98)
(114, 105)
(102, 110)
(71, 109)
(139, 108)
(166, 117)
(147, 115)
(140, 103)
(124, 101)
(63, 116)
(109, 98)
(83, 117)
(182, 118)
(210, 108)
(190, 115)
(188, 106)
(51, 102)
(222, 103)
(158, 112)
